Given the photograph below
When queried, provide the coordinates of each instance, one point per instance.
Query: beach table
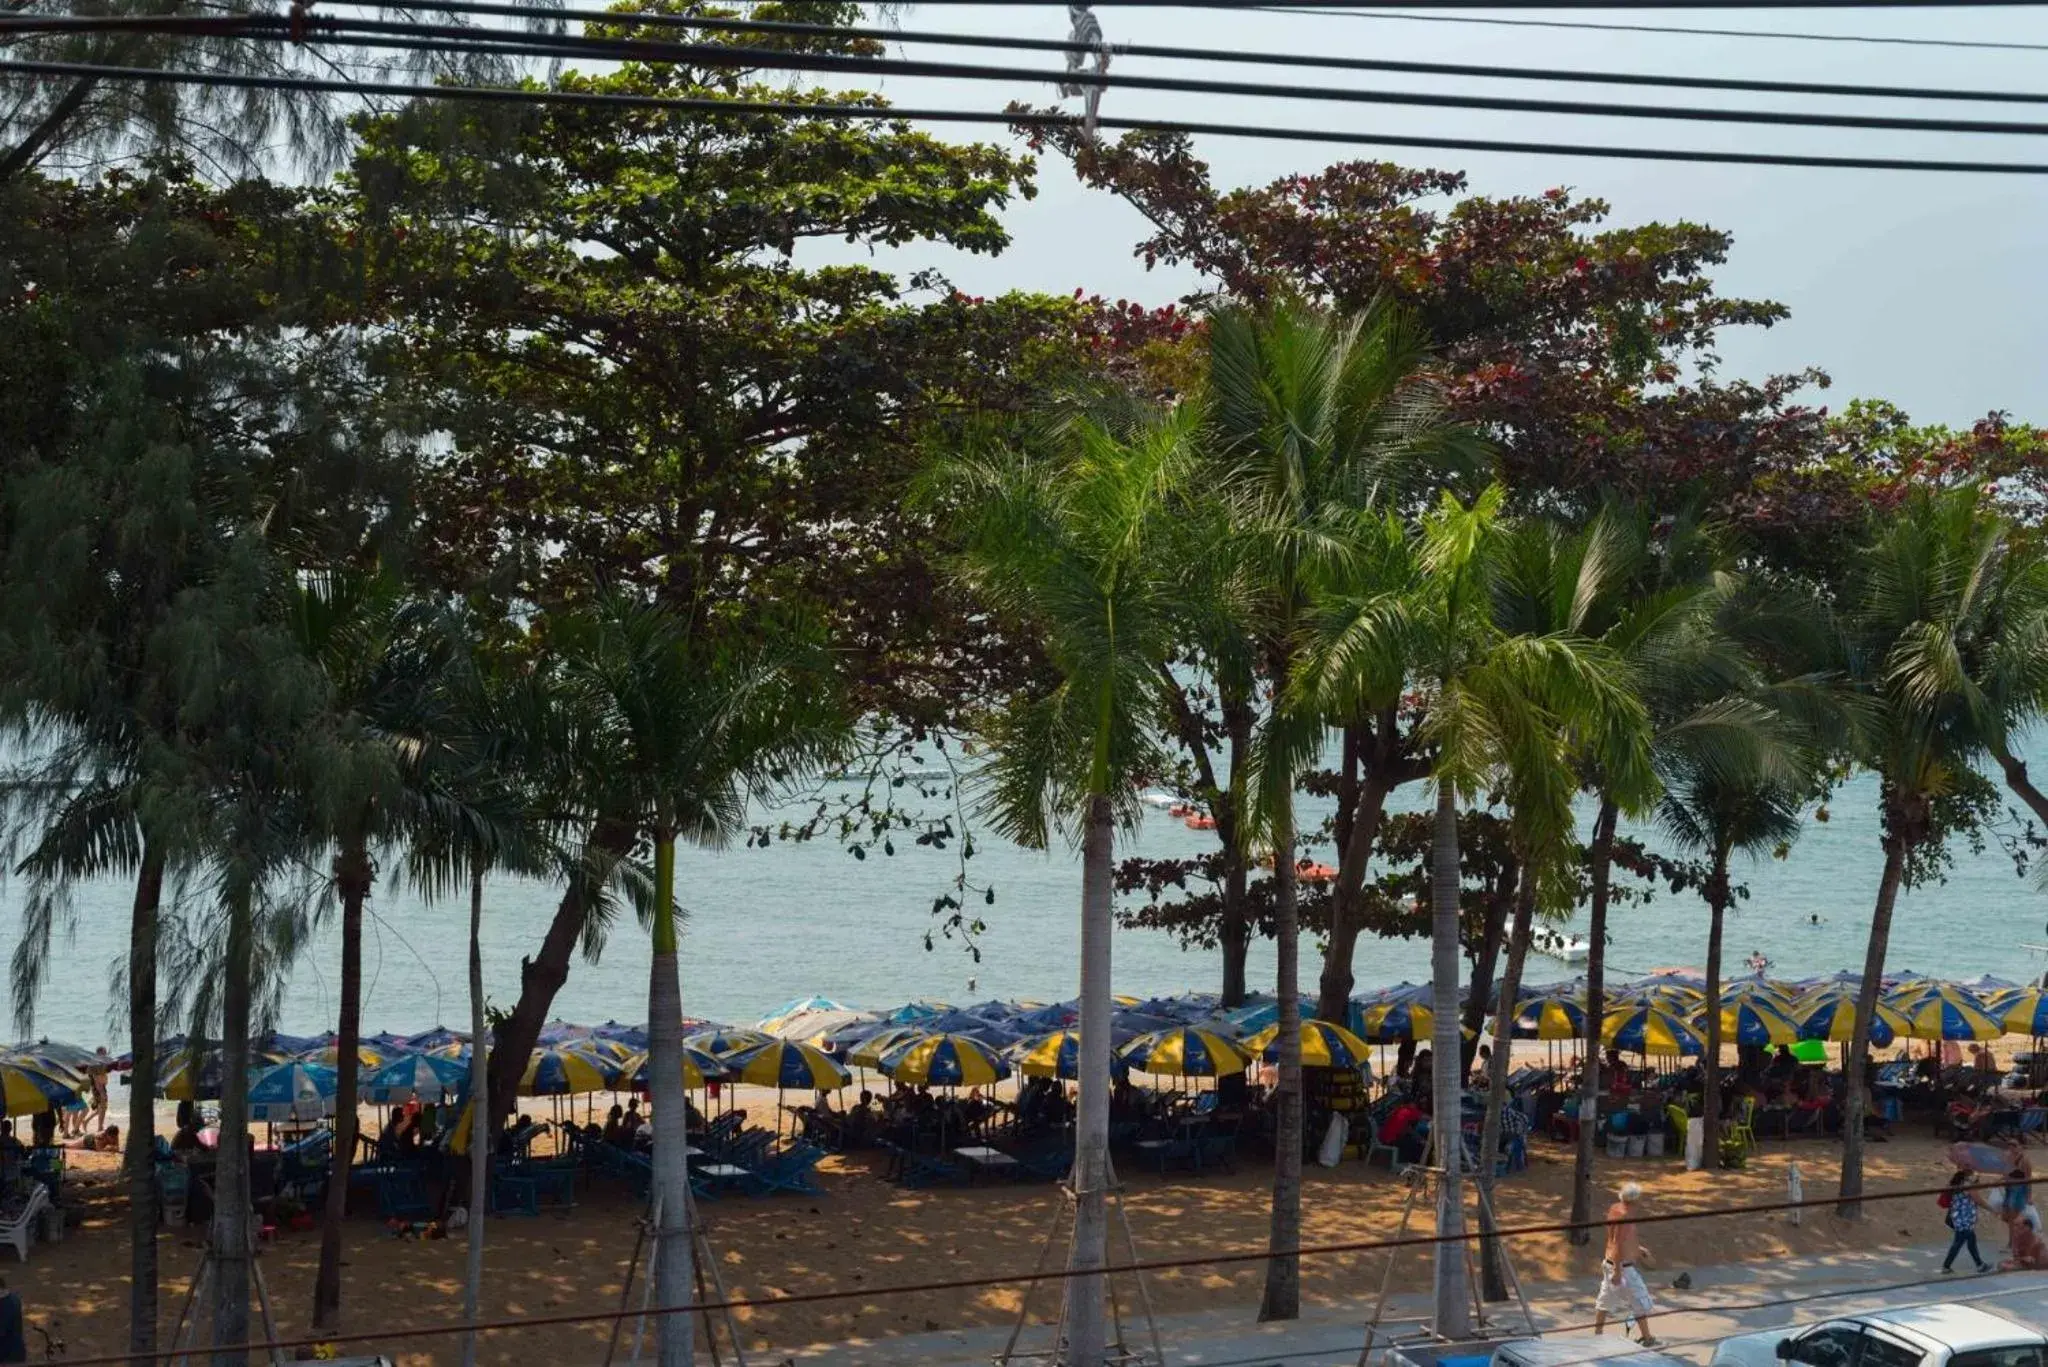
(982, 1158)
(721, 1175)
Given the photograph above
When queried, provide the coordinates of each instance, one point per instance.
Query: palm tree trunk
(676, 1334)
(1858, 1060)
(1710, 1072)
(1495, 1286)
(1452, 1309)
(1498, 906)
(1282, 1300)
(479, 1132)
(352, 876)
(542, 976)
(2015, 770)
(1235, 933)
(230, 1250)
(141, 1156)
(1087, 1324)
(1333, 997)
(1601, 857)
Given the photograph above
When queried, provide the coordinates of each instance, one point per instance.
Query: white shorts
(1628, 1297)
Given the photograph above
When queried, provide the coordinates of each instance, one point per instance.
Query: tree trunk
(1494, 1284)
(1235, 933)
(1710, 1072)
(352, 877)
(479, 1133)
(1333, 1000)
(18, 158)
(1601, 857)
(676, 1334)
(230, 1251)
(1087, 1323)
(1481, 996)
(141, 1155)
(1858, 1060)
(1452, 1317)
(1282, 1300)
(2015, 770)
(541, 977)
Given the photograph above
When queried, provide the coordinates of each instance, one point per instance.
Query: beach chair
(922, 1171)
(1742, 1129)
(554, 1181)
(1178, 1146)
(19, 1228)
(1047, 1164)
(401, 1195)
(514, 1195)
(2033, 1123)
(1374, 1118)
(173, 1193)
(1216, 1146)
(789, 1170)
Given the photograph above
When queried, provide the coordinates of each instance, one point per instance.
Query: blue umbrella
(421, 1077)
(292, 1091)
(427, 1041)
(634, 1037)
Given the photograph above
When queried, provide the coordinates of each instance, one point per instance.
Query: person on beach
(2028, 1251)
(13, 1325)
(97, 1075)
(1622, 1291)
(1962, 1220)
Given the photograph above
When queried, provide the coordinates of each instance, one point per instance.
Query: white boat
(1570, 949)
(1163, 801)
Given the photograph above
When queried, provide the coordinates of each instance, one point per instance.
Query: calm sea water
(791, 920)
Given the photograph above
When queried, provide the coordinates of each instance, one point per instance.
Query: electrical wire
(1975, 44)
(1010, 118)
(722, 55)
(1057, 1274)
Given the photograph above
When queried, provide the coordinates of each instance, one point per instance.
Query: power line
(1004, 42)
(1584, 26)
(726, 56)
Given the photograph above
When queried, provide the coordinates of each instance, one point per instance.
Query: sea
(797, 919)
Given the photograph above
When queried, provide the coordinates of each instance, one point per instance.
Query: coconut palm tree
(1062, 541)
(690, 732)
(1316, 423)
(1945, 594)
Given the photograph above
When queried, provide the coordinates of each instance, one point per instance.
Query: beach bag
(1332, 1149)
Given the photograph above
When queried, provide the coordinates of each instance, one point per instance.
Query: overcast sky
(1926, 289)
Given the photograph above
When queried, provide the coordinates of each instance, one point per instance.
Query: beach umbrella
(1750, 1021)
(1646, 1028)
(293, 1090)
(816, 1027)
(415, 1077)
(427, 1041)
(1185, 1051)
(1055, 1055)
(1551, 1016)
(1831, 1016)
(725, 1041)
(797, 1006)
(785, 1063)
(870, 1051)
(368, 1056)
(565, 1072)
(26, 1089)
(1402, 1012)
(945, 1061)
(699, 1069)
(610, 1053)
(1778, 996)
(72, 1058)
(1323, 1045)
(195, 1075)
(2023, 1011)
(1943, 1011)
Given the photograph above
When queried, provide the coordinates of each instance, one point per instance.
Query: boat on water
(1570, 949)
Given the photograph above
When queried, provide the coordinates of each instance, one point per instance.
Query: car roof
(1958, 1327)
(1619, 1351)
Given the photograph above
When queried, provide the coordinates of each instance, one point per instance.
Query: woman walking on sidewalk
(1962, 1218)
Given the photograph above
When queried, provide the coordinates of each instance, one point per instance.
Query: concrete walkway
(1720, 1301)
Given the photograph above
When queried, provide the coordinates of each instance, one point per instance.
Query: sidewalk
(1690, 1321)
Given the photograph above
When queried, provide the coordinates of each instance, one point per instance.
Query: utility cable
(724, 56)
(1054, 1274)
(1001, 42)
(1580, 25)
(1014, 119)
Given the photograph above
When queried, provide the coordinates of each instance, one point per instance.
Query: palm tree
(1944, 590)
(1314, 422)
(1719, 814)
(690, 732)
(1062, 542)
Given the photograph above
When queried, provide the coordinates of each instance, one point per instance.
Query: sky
(1926, 289)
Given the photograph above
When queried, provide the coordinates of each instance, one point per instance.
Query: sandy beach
(866, 1235)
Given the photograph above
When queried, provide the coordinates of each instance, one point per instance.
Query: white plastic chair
(19, 1230)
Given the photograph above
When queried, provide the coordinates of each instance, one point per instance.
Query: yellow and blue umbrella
(368, 1056)
(1747, 990)
(699, 1069)
(1401, 1013)
(1552, 1016)
(785, 1063)
(190, 1076)
(609, 1053)
(2023, 1011)
(27, 1089)
(416, 1077)
(564, 1072)
(725, 1041)
(294, 1090)
(870, 1052)
(945, 1061)
(1055, 1055)
(1185, 1051)
(1941, 1011)
(1645, 1028)
(1830, 1015)
(1323, 1045)
(1750, 1021)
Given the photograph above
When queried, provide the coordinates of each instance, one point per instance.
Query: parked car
(1913, 1336)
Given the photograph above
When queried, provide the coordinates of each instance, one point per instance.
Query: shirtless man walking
(1622, 1292)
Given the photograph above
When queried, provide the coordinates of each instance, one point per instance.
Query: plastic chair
(19, 1230)
(1743, 1129)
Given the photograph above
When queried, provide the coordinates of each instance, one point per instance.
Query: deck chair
(1047, 1164)
(20, 1228)
(921, 1171)
(402, 1196)
(513, 1195)
(789, 1170)
(1216, 1146)
(1742, 1128)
